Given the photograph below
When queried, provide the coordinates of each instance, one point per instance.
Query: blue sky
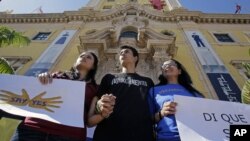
(48, 6)
(57, 6)
(217, 6)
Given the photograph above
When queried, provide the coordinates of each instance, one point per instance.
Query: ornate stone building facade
(102, 26)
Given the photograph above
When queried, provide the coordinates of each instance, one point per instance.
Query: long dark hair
(184, 79)
(91, 74)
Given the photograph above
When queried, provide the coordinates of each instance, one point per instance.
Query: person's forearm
(94, 115)
(95, 119)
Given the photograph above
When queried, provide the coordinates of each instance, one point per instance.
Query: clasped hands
(105, 105)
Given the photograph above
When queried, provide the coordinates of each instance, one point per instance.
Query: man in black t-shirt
(124, 97)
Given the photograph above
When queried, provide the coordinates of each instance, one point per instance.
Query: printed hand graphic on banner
(45, 103)
(15, 99)
(36, 102)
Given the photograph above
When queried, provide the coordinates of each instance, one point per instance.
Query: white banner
(207, 57)
(61, 102)
(222, 82)
(201, 119)
(49, 56)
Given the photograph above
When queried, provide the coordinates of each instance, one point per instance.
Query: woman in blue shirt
(174, 80)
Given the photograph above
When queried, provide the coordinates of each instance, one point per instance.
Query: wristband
(97, 108)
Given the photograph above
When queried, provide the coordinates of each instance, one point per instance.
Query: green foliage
(5, 67)
(247, 67)
(245, 93)
(10, 37)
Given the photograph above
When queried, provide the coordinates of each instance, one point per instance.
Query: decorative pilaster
(160, 55)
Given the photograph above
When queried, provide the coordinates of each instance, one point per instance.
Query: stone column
(160, 55)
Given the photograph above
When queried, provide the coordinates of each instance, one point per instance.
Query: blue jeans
(26, 134)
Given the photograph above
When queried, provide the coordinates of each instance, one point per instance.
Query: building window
(107, 7)
(129, 34)
(17, 62)
(42, 36)
(223, 37)
(131, 13)
(238, 65)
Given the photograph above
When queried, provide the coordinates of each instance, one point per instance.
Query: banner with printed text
(61, 102)
(200, 119)
(221, 80)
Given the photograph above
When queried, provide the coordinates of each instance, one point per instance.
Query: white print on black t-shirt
(128, 81)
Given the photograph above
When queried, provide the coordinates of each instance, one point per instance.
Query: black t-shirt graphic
(130, 120)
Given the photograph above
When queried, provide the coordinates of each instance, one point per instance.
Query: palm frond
(5, 67)
(10, 37)
(245, 93)
(247, 67)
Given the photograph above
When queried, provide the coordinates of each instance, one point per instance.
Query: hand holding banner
(25, 96)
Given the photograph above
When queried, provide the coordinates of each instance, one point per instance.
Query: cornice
(90, 15)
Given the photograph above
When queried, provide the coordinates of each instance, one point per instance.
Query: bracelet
(160, 116)
(98, 111)
(97, 108)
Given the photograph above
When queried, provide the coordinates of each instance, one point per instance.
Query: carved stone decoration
(153, 47)
(90, 31)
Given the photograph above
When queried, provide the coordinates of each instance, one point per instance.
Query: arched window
(129, 34)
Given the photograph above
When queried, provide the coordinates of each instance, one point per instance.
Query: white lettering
(239, 132)
(129, 81)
